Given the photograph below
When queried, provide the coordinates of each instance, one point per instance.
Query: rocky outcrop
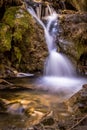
(73, 40)
(78, 101)
(21, 46)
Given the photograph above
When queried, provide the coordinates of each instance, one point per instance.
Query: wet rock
(34, 114)
(78, 102)
(15, 108)
(73, 38)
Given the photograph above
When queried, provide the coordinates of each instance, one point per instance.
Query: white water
(59, 73)
(63, 86)
(58, 65)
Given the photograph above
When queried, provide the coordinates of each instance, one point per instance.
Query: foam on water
(55, 84)
(58, 65)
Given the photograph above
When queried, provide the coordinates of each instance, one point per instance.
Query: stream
(24, 107)
(31, 99)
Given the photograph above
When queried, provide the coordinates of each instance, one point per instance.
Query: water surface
(24, 107)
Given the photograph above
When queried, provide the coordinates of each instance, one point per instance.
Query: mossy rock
(5, 37)
(9, 16)
(20, 42)
(16, 24)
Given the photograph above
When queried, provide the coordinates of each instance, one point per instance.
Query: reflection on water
(22, 108)
(26, 107)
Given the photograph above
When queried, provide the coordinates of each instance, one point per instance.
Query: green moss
(17, 33)
(20, 20)
(5, 38)
(22, 26)
(18, 54)
(9, 16)
(19, 23)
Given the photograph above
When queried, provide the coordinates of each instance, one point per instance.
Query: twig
(77, 123)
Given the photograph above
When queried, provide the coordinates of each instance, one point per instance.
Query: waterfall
(59, 73)
(56, 64)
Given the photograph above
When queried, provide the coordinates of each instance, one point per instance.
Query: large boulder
(73, 40)
(22, 41)
(78, 102)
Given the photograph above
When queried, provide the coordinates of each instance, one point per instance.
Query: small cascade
(41, 9)
(38, 10)
(56, 64)
(59, 73)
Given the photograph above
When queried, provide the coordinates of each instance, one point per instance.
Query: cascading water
(56, 64)
(58, 71)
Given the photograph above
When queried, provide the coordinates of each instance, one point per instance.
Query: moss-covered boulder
(21, 41)
(5, 38)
